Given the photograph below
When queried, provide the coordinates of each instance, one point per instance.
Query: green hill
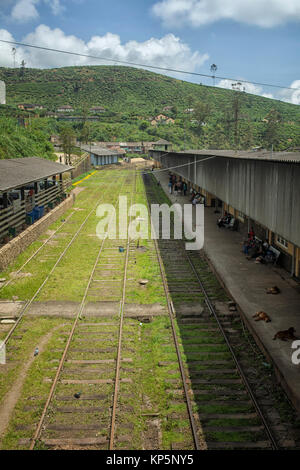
(130, 95)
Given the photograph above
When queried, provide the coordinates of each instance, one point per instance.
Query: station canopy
(101, 151)
(18, 172)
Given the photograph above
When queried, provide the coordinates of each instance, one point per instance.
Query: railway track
(91, 361)
(35, 253)
(226, 404)
(120, 383)
(59, 258)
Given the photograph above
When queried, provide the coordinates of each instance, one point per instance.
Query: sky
(252, 40)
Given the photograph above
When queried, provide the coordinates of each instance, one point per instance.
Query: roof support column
(5, 200)
(293, 261)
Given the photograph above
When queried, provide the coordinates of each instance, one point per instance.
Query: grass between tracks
(150, 400)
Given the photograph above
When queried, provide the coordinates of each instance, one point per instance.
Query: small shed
(163, 144)
(28, 188)
(102, 156)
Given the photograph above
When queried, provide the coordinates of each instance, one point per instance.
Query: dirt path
(11, 398)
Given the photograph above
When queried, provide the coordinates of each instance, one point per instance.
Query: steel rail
(181, 366)
(62, 360)
(27, 305)
(5, 284)
(239, 368)
(118, 362)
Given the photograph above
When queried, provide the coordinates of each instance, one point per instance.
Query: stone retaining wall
(83, 167)
(18, 244)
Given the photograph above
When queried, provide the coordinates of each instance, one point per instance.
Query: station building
(29, 187)
(102, 156)
(259, 188)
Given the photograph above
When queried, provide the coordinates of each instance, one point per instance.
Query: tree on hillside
(271, 131)
(85, 133)
(143, 126)
(22, 68)
(68, 137)
(246, 134)
(200, 114)
(236, 107)
(174, 111)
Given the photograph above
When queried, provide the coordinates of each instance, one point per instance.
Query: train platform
(247, 282)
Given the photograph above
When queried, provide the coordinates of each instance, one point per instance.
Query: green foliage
(131, 97)
(67, 138)
(18, 141)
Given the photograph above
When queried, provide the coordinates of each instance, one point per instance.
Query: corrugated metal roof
(96, 150)
(17, 172)
(162, 142)
(293, 157)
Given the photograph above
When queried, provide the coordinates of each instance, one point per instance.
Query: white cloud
(242, 86)
(55, 6)
(168, 51)
(291, 96)
(264, 13)
(288, 95)
(6, 58)
(245, 86)
(25, 10)
(268, 95)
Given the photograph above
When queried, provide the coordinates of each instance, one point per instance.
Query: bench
(276, 253)
(233, 224)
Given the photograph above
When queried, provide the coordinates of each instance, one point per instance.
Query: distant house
(128, 147)
(50, 114)
(170, 121)
(189, 110)
(163, 144)
(160, 117)
(153, 122)
(65, 109)
(57, 143)
(167, 108)
(55, 140)
(97, 109)
(148, 146)
(131, 147)
(30, 107)
(109, 145)
(102, 156)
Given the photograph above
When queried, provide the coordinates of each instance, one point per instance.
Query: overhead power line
(166, 69)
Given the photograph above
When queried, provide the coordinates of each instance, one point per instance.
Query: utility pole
(184, 124)
(213, 69)
(13, 51)
(236, 111)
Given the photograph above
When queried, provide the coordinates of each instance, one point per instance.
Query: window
(241, 216)
(282, 241)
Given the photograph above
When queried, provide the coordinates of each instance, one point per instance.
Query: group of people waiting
(177, 186)
(225, 220)
(196, 198)
(257, 249)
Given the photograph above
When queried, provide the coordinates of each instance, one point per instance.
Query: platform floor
(246, 282)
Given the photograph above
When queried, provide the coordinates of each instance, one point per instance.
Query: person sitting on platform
(251, 234)
(225, 220)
